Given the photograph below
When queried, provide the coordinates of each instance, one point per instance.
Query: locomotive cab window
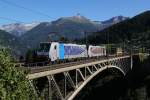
(55, 47)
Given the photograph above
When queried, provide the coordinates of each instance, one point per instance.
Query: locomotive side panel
(61, 51)
(74, 51)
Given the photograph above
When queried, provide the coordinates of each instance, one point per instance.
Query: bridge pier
(34, 90)
(131, 61)
(50, 96)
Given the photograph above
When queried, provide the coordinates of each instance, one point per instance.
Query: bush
(13, 82)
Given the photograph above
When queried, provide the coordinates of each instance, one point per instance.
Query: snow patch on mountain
(18, 29)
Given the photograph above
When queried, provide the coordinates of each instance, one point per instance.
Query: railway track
(37, 69)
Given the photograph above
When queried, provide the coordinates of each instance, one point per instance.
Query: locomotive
(55, 51)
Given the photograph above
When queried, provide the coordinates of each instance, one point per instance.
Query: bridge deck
(59, 68)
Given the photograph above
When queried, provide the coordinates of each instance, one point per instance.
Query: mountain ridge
(18, 29)
(68, 27)
(135, 31)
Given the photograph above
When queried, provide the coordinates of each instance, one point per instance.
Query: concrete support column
(49, 87)
(131, 61)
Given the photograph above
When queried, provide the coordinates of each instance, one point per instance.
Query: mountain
(10, 41)
(115, 20)
(18, 29)
(135, 31)
(68, 27)
(20, 37)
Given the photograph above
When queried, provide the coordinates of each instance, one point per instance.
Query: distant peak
(77, 18)
(115, 19)
(120, 17)
(18, 29)
(78, 15)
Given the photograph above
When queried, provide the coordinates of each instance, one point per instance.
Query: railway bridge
(65, 81)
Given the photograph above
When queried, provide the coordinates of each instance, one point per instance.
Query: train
(55, 51)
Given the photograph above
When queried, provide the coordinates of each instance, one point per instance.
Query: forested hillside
(135, 31)
(9, 41)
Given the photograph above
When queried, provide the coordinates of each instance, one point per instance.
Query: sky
(27, 11)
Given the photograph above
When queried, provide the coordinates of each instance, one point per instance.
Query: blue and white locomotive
(60, 51)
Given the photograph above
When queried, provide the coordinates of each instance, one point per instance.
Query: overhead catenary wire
(10, 19)
(25, 8)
